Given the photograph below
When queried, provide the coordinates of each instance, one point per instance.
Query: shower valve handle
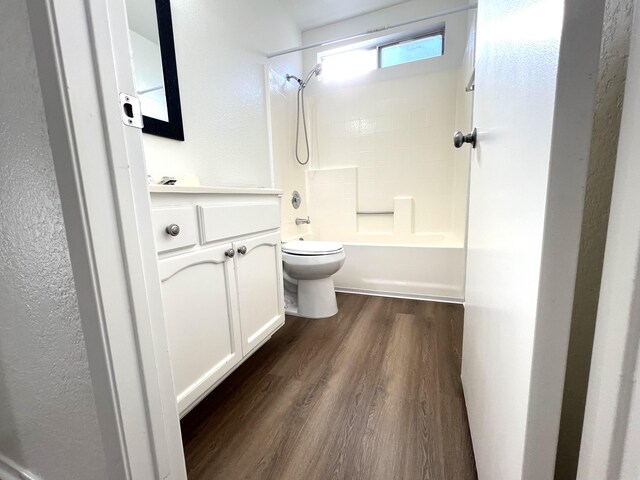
(460, 138)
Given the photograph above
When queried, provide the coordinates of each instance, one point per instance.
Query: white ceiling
(310, 14)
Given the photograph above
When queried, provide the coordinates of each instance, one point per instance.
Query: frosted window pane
(411, 51)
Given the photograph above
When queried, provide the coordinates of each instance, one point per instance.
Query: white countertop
(222, 190)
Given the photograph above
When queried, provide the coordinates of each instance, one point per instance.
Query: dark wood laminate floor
(371, 393)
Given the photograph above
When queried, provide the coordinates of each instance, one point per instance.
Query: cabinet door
(260, 288)
(202, 320)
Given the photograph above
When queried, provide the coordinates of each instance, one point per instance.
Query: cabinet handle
(242, 250)
(230, 253)
(173, 230)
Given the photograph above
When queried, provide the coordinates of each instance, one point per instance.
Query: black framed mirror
(154, 67)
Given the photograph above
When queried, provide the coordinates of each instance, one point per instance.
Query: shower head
(317, 70)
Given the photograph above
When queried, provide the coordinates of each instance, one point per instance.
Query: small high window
(411, 50)
(352, 63)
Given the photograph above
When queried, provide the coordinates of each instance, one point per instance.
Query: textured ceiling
(315, 13)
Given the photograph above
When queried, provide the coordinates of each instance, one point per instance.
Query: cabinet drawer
(184, 217)
(218, 222)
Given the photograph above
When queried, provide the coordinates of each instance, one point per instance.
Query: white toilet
(308, 267)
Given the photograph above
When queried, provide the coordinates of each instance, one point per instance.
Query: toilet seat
(311, 248)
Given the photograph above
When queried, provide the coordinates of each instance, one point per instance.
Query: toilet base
(313, 299)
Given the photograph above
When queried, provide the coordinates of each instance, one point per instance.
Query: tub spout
(303, 221)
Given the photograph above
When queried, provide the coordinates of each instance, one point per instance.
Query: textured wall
(48, 421)
(604, 145)
(220, 53)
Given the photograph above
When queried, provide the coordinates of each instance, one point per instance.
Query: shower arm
(316, 71)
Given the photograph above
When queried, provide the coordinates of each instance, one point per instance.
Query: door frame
(611, 429)
(83, 60)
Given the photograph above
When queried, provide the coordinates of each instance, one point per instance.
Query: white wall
(48, 420)
(220, 54)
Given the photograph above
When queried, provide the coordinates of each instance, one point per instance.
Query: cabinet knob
(173, 230)
(242, 250)
(230, 253)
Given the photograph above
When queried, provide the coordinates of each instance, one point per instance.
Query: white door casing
(83, 58)
(611, 434)
(536, 64)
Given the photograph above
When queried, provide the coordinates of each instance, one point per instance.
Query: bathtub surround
(383, 160)
(392, 127)
(384, 173)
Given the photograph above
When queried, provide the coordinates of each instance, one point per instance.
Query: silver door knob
(460, 138)
(230, 253)
(173, 230)
(242, 250)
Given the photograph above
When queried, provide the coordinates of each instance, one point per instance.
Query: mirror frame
(173, 128)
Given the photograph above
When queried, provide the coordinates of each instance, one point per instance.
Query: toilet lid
(304, 247)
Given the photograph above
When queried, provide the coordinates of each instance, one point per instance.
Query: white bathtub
(431, 270)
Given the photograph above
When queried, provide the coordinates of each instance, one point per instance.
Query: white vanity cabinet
(220, 266)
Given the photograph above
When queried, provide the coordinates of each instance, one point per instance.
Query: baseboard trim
(10, 470)
(409, 296)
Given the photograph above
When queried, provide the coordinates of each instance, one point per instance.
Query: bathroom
(310, 239)
(356, 150)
